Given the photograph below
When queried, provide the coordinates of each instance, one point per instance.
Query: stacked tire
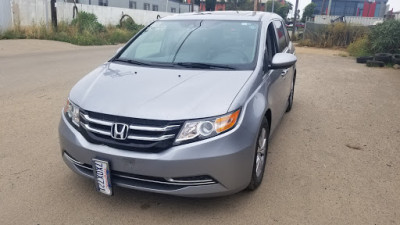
(374, 63)
(383, 57)
(396, 59)
(364, 59)
(379, 60)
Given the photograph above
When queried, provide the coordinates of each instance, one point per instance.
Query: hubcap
(261, 151)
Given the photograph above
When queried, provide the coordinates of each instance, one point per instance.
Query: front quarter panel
(254, 95)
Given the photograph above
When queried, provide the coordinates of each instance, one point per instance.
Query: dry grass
(80, 32)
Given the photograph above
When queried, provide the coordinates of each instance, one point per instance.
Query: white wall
(5, 15)
(366, 21)
(29, 12)
(108, 15)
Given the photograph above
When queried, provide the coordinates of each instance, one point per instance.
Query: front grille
(143, 135)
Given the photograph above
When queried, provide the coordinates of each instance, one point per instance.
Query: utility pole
(273, 5)
(166, 7)
(329, 8)
(295, 19)
(255, 5)
(265, 6)
(53, 13)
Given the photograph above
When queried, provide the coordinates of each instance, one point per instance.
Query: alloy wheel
(261, 152)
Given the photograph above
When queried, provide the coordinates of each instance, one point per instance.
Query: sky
(395, 4)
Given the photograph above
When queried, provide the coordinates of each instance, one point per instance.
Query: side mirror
(283, 61)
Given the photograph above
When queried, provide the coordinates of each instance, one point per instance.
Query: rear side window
(281, 35)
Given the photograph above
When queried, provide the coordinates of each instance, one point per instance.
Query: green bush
(118, 35)
(87, 22)
(360, 47)
(385, 37)
(129, 24)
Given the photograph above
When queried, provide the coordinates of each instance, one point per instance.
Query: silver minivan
(185, 108)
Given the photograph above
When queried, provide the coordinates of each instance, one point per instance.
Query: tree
(210, 5)
(308, 11)
(283, 11)
(239, 5)
(279, 8)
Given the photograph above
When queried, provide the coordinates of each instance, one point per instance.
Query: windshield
(196, 44)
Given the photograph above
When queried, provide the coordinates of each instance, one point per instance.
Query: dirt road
(334, 160)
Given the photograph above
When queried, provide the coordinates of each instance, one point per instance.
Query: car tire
(364, 59)
(260, 156)
(373, 63)
(383, 57)
(396, 59)
(290, 100)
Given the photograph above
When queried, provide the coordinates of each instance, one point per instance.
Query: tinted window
(281, 35)
(271, 43)
(232, 43)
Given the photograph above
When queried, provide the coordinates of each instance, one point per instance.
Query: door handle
(284, 72)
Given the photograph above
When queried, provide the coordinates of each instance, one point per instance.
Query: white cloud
(395, 5)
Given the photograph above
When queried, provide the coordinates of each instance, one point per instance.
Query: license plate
(102, 176)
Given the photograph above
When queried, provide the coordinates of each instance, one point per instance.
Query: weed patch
(83, 30)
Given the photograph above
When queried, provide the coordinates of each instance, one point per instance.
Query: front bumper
(217, 166)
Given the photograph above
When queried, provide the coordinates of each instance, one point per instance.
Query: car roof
(224, 15)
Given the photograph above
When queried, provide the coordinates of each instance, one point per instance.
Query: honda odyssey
(185, 108)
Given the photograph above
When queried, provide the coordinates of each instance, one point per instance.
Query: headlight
(202, 129)
(71, 111)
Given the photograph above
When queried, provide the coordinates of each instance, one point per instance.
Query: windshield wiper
(130, 61)
(204, 65)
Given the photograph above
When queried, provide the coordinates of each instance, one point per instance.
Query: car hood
(158, 93)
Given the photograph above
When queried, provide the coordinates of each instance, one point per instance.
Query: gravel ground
(334, 159)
